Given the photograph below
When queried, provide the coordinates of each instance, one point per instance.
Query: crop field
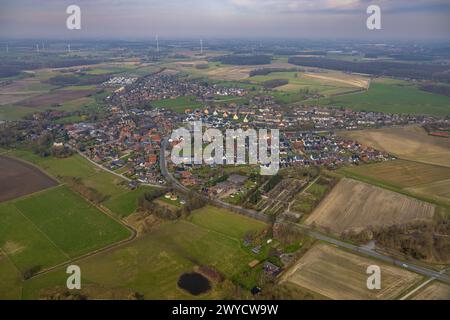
(76, 104)
(26, 246)
(28, 87)
(402, 175)
(152, 264)
(73, 224)
(219, 71)
(326, 83)
(394, 98)
(410, 143)
(24, 96)
(353, 205)
(118, 198)
(74, 166)
(340, 275)
(433, 291)
(215, 70)
(55, 97)
(18, 178)
(440, 190)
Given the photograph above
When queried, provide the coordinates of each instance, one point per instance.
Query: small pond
(194, 283)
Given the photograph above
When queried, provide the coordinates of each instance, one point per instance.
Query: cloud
(338, 6)
(224, 18)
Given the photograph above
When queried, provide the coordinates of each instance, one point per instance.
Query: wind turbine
(201, 46)
(157, 43)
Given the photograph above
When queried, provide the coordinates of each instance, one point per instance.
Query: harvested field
(340, 275)
(438, 189)
(402, 173)
(354, 205)
(410, 143)
(10, 98)
(434, 291)
(351, 80)
(18, 178)
(22, 89)
(56, 97)
(427, 181)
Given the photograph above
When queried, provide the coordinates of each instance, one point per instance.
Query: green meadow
(179, 104)
(118, 197)
(10, 280)
(152, 264)
(393, 98)
(41, 230)
(126, 203)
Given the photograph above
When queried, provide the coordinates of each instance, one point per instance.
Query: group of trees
(274, 83)
(435, 88)
(9, 135)
(10, 67)
(78, 80)
(89, 193)
(424, 240)
(44, 147)
(147, 204)
(273, 181)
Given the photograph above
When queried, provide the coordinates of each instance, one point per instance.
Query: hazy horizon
(225, 19)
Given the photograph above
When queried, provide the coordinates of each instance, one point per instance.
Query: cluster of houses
(128, 142)
(163, 85)
(325, 149)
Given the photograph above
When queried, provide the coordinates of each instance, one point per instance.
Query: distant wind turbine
(157, 43)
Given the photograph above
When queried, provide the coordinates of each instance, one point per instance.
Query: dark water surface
(194, 283)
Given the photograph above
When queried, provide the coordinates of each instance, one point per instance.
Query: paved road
(305, 229)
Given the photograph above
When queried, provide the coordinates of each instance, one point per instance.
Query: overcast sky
(140, 19)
